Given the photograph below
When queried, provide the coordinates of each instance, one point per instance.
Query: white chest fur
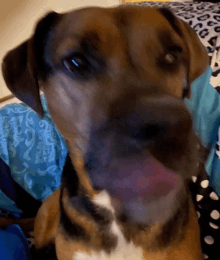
(123, 250)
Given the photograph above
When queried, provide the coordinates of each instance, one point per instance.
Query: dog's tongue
(145, 179)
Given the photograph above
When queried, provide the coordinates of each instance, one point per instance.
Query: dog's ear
(196, 56)
(23, 66)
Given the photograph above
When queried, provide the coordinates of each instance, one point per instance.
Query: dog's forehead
(107, 28)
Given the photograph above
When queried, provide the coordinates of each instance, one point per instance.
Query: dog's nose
(148, 131)
(154, 118)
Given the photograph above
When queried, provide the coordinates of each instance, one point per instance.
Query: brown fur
(139, 60)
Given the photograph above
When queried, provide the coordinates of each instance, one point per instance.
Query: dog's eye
(77, 63)
(170, 58)
(172, 55)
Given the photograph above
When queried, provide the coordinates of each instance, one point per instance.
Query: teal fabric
(32, 148)
(205, 107)
(8, 205)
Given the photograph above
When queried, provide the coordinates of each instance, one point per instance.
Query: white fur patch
(102, 199)
(123, 250)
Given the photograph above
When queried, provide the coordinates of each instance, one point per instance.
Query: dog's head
(114, 80)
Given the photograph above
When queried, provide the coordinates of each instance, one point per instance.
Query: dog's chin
(141, 188)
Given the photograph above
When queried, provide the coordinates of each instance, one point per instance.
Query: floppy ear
(23, 66)
(196, 56)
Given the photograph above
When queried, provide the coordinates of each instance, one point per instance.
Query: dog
(115, 80)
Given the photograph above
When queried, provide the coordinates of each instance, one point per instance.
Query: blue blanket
(33, 149)
(205, 107)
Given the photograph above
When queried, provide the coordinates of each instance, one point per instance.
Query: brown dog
(115, 80)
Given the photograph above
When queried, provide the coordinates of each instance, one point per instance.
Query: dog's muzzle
(132, 155)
